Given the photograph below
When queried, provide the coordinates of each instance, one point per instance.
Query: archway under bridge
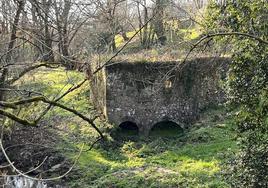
(166, 128)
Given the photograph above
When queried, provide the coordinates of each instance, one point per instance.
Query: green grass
(53, 83)
(192, 159)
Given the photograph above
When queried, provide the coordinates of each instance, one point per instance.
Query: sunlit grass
(188, 34)
(53, 83)
(191, 34)
(119, 40)
(198, 163)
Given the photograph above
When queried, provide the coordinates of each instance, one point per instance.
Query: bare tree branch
(14, 105)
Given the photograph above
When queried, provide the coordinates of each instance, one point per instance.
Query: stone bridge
(146, 93)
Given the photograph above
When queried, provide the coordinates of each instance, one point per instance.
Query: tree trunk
(62, 28)
(35, 31)
(159, 22)
(65, 37)
(11, 44)
(47, 47)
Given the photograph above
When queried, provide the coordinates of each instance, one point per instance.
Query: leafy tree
(247, 84)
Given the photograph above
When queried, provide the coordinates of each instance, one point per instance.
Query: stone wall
(150, 92)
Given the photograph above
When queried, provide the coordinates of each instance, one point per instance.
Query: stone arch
(129, 125)
(166, 127)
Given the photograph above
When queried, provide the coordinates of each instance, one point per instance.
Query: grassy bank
(193, 159)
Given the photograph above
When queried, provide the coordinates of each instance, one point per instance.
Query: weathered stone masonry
(148, 92)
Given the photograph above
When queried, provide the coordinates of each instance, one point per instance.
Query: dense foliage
(247, 84)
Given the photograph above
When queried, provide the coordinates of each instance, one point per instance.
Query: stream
(22, 182)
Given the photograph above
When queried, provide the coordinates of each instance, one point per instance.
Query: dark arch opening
(166, 128)
(129, 126)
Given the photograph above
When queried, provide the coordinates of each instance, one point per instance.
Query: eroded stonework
(150, 92)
